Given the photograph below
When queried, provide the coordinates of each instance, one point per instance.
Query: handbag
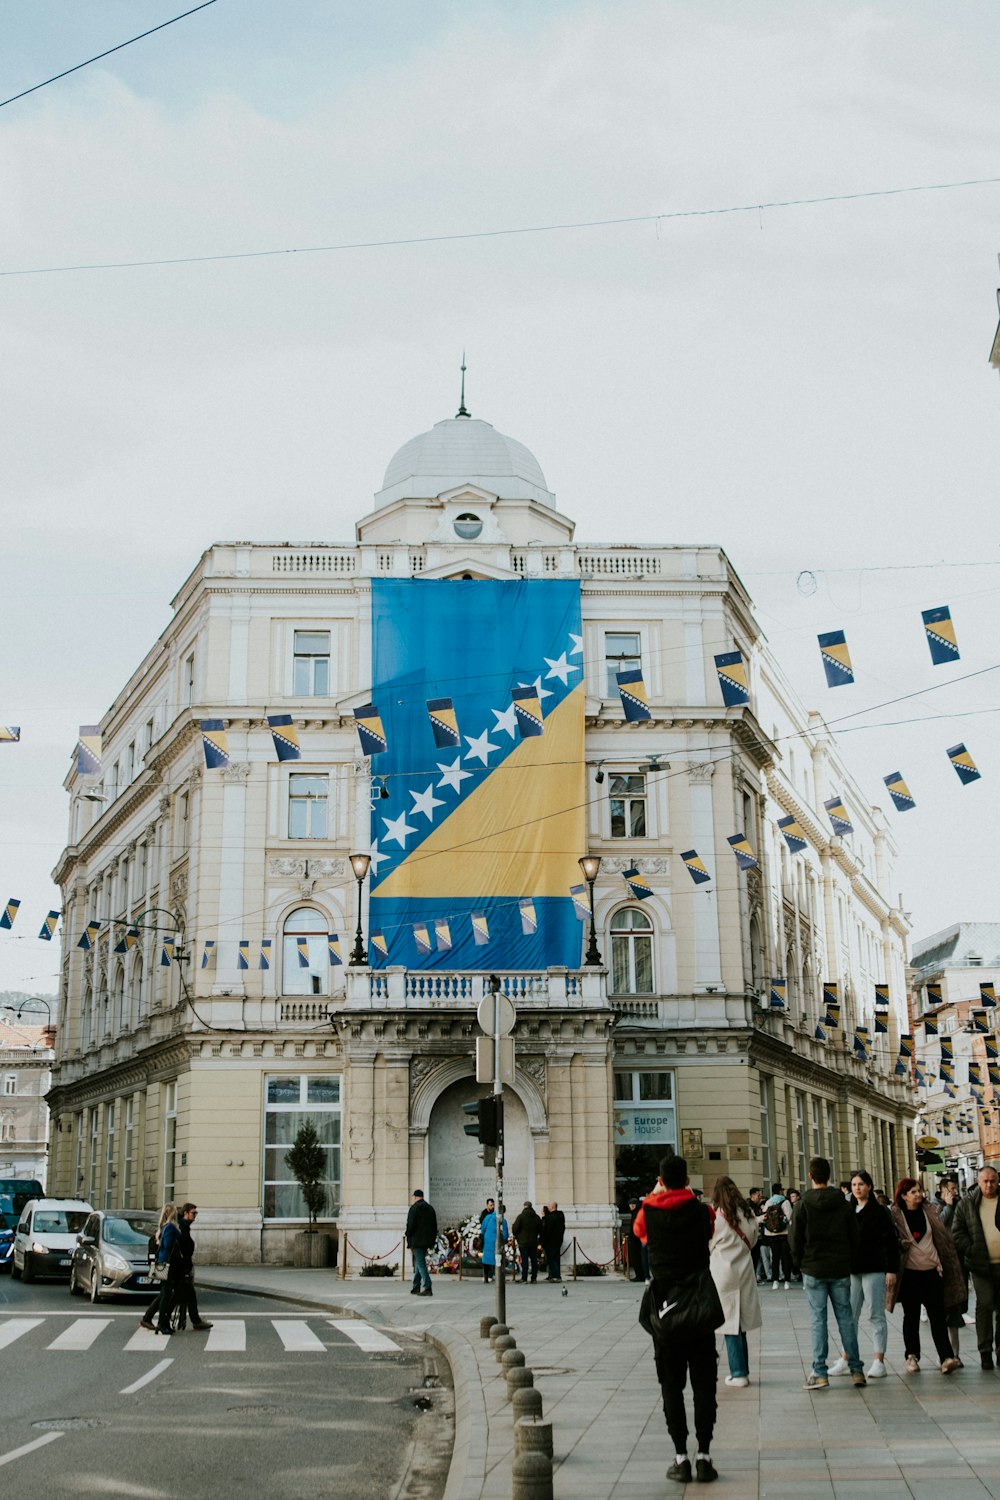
(159, 1271)
(690, 1305)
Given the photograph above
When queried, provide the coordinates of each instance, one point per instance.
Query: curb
(467, 1470)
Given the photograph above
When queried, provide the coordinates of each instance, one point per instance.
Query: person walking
(167, 1258)
(677, 1230)
(823, 1240)
(755, 1198)
(421, 1236)
(553, 1234)
(777, 1215)
(930, 1274)
(873, 1270)
(976, 1230)
(495, 1236)
(526, 1229)
(187, 1296)
(731, 1264)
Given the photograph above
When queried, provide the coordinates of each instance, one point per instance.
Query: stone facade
(26, 1057)
(201, 1070)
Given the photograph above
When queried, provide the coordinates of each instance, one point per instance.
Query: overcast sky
(808, 387)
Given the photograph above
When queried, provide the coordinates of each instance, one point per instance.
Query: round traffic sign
(496, 1015)
(925, 1142)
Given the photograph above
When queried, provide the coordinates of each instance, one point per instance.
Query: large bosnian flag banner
(473, 830)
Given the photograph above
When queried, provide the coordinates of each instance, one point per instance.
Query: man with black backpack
(777, 1216)
(681, 1309)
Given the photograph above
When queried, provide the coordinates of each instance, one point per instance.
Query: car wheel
(95, 1286)
(74, 1286)
(15, 1274)
(28, 1270)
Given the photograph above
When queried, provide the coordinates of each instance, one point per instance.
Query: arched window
(133, 999)
(7, 1128)
(756, 955)
(118, 1001)
(304, 937)
(101, 1018)
(631, 952)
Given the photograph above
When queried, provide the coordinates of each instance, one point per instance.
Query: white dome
(463, 450)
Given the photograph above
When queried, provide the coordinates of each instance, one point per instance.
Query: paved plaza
(928, 1436)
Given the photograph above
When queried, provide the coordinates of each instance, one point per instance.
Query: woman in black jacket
(873, 1269)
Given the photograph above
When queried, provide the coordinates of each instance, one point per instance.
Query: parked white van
(45, 1237)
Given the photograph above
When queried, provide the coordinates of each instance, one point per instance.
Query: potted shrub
(307, 1162)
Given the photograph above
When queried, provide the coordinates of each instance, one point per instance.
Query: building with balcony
(226, 993)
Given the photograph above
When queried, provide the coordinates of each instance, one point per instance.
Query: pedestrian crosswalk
(228, 1335)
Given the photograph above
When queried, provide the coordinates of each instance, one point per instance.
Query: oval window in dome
(468, 526)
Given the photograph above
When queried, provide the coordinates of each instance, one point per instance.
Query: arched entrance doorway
(459, 1184)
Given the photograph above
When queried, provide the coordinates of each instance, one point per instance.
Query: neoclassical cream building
(187, 1079)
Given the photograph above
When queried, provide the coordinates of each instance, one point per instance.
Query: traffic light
(486, 1122)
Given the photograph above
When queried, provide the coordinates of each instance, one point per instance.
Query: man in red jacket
(676, 1228)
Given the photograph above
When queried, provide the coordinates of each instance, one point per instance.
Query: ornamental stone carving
(701, 770)
(236, 772)
(296, 868)
(534, 1067)
(649, 865)
(179, 886)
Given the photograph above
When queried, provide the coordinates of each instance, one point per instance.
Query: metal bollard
(527, 1402)
(485, 1324)
(531, 1436)
(532, 1474)
(510, 1358)
(517, 1379)
(497, 1330)
(503, 1342)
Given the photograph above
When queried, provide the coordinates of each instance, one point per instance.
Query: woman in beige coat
(733, 1272)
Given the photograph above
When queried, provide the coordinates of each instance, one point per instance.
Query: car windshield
(59, 1222)
(127, 1231)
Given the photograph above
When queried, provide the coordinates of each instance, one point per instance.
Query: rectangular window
(140, 869)
(627, 798)
(830, 1135)
(77, 1188)
(289, 1101)
(128, 1154)
(644, 1130)
(183, 812)
(10, 1083)
(109, 1157)
(189, 680)
(128, 762)
(311, 663)
(169, 1141)
(94, 1164)
(621, 654)
(766, 1096)
(307, 807)
(801, 1153)
(817, 1133)
(148, 737)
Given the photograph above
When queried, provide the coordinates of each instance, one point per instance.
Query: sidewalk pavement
(919, 1437)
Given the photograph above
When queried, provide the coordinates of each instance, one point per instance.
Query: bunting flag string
(89, 934)
(167, 952)
(285, 737)
(243, 954)
(9, 913)
(940, 635)
(964, 765)
(819, 1033)
(633, 695)
(88, 751)
(899, 791)
(480, 929)
(444, 723)
(422, 937)
(127, 941)
(695, 867)
(777, 992)
(442, 934)
(265, 953)
(215, 743)
(636, 884)
(48, 927)
(733, 679)
(333, 950)
(10, 734)
(838, 815)
(792, 834)
(881, 1024)
(881, 996)
(208, 954)
(745, 857)
(836, 659)
(529, 917)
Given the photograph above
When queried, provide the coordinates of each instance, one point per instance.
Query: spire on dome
(461, 404)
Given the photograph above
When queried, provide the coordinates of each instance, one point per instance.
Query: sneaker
(788, 1287)
(774, 1286)
(839, 1367)
(858, 1377)
(987, 1362)
(737, 1380)
(947, 1365)
(912, 1364)
(816, 1383)
(877, 1371)
(680, 1473)
(704, 1470)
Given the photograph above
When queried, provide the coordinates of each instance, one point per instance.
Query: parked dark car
(110, 1258)
(7, 1223)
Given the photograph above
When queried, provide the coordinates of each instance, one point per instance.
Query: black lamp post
(590, 864)
(359, 864)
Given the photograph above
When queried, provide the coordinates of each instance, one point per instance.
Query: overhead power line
(97, 57)
(488, 234)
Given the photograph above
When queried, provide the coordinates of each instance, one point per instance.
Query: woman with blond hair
(731, 1264)
(164, 1249)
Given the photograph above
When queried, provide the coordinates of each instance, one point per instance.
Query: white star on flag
(561, 669)
(537, 685)
(506, 720)
(577, 644)
(377, 858)
(453, 776)
(425, 802)
(398, 829)
(480, 747)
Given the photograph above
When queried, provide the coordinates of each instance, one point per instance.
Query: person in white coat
(731, 1263)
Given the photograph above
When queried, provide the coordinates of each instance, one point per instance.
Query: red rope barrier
(610, 1262)
(366, 1256)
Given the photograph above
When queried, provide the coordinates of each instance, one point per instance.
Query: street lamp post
(359, 864)
(590, 864)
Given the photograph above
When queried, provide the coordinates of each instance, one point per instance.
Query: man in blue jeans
(421, 1236)
(822, 1237)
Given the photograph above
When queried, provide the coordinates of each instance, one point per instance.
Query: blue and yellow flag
(243, 954)
(215, 743)
(933, 992)
(48, 928)
(987, 992)
(992, 1048)
(88, 750)
(793, 834)
(167, 952)
(964, 764)
(881, 996)
(993, 1069)
(302, 951)
(940, 635)
(480, 929)
(930, 1026)
(581, 902)
(976, 1074)
(836, 658)
(265, 953)
(832, 1016)
(837, 813)
(285, 737)
(422, 937)
(920, 1076)
(128, 940)
(902, 1067)
(899, 791)
(89, 934)
(444, 723)
(777, 991)
(633, 696)
(9, 912)
(881, 1025)
(529, 917)
(695, 867)
(862, 1043)
(946, 1121)
(831, 998)
(208, 954)
(637, 885)
(527, 711)
(819, 1034)
(980, 1024)
(442, 934)
(733, 679)
(333, 949)
(745, 857)
(368, 722)
(504, 818)
(376, 941)
(906, 1044)
(9, 734)
(947, 1049)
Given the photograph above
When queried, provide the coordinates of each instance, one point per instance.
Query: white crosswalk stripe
(297, 1336)
(367, 1338)
(80, 1334)
(144, 1342)
(15, 1328)
(227, 1338)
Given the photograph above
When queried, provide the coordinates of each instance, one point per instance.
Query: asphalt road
(277, 1400)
